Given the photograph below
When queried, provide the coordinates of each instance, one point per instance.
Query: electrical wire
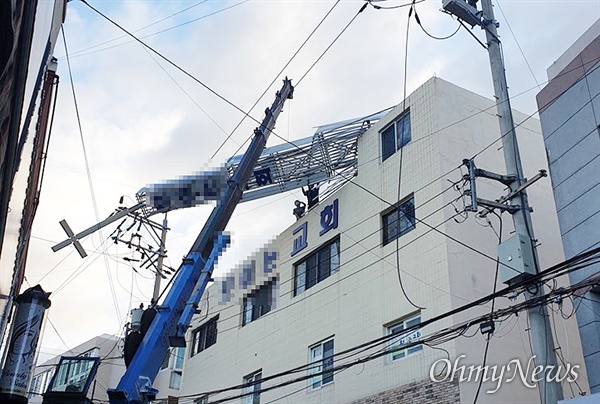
(297, 301)
(137, 30)
(367, 250)
(378, 7)
(518, 45)
(185, 92)
(185, 72)
(525, 305)
(80, 269)
(539, 301)
(80, 54)
(427, 33)
(559, 355)
(331, 44)
(275, 79)
(87, 169)
(58, 333)
(489, 336)
(400, 160)
(182, 69)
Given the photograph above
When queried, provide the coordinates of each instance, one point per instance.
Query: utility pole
(159, 263)
(540, 330)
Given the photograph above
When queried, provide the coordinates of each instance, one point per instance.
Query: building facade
(28, 32)
(331, 310)
(570, 117)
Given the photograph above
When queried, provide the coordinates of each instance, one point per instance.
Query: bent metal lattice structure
(329, 158)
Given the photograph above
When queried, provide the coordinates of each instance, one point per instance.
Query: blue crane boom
(173, 316)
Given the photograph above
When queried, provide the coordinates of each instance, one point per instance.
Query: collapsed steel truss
(329, 158)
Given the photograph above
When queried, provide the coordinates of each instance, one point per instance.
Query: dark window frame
(317, 266)
(260, 307)
(395, 135)
(204, 336)
(398, 220)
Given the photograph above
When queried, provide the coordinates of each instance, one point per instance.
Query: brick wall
(424, 391)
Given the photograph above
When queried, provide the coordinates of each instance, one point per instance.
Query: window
(404, 337)
(259, 302)
(177, 355)
(398, 221)
(40, 382)
(173, 359)
(73, 372)
(201, 400)
(321, 359)
(317, 267)
(395, 136)
(175, 380)
(252, 391)
(204, 336)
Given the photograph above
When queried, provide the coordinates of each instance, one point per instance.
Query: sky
(143, 121)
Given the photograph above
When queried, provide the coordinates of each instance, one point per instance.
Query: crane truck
(164, 325)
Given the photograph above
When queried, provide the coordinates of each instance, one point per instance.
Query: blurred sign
(188, 191)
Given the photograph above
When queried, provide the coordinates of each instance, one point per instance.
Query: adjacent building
(570, 117)
(28, 82)
(333, 306)
(110, 370)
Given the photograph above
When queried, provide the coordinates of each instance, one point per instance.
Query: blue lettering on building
(248, 274)
(269, 260)
(300, 242)
(227, 285)
(329, 217)
(245, 276)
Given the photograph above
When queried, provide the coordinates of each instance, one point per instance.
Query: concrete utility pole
(540, 331)
(161, 256)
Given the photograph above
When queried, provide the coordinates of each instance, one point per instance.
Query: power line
(87, 169)
(537, 111)
(378, 7)
(367, 250)
(137, 30)
(489, 336)
(81, 52)
(185, 92)
(428, 34)
(171, 62)
(456, 329)
(400, 161)
(518, 45)
(438, 178)
(331, 44)
(351, 274)
(305, 74)
(276, 77)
